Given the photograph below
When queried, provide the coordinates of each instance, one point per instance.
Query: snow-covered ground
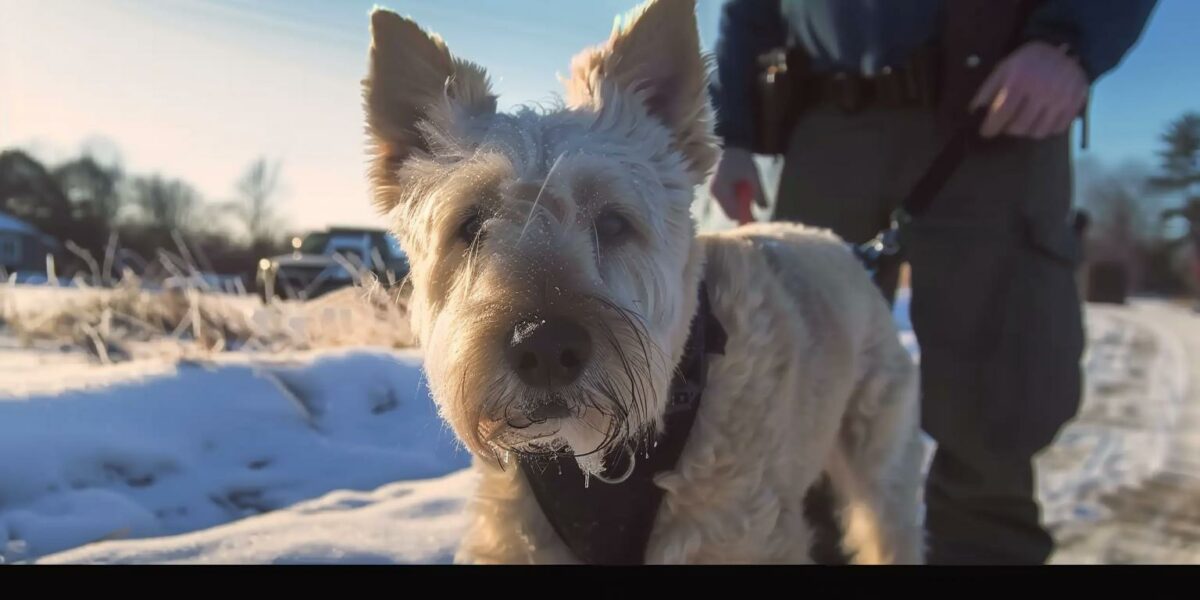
(163, 449)
(1123, 483)
(168, 460)
(417, 522)
(172, 439)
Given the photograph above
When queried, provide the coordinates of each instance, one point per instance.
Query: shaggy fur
(583, 210)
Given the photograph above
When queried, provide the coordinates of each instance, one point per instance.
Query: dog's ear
(413, 85)
(655, 53)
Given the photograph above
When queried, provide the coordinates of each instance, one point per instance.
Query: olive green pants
(994, 306)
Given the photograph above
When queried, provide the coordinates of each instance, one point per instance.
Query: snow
(338, 455)
(166, 449)
(901, 318)
(414, 523)
(1137, 380)
(1130, 463)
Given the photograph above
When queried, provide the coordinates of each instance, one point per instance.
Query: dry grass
(115, 322)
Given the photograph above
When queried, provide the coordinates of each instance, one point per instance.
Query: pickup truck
(324, 261)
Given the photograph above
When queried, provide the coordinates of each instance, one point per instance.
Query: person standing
(876, 88)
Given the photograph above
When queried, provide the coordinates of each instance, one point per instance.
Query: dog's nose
(549, 353)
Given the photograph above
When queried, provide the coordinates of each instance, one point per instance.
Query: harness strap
(610, 523)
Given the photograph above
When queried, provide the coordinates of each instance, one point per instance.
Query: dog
(555, 265)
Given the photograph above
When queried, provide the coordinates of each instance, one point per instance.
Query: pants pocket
(998, 321)
(1037, 377)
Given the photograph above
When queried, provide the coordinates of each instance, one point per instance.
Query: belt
(913, 83)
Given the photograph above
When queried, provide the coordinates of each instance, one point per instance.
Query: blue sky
(198, 88)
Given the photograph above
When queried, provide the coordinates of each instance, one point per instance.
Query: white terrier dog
(555, 270)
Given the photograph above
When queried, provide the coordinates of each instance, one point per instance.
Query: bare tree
(1123, 217)
(166, 204)
(255, 205)
(28, 191)
(1122, 212)
(92, 188)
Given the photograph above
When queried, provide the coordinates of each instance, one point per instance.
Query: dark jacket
(974, 37)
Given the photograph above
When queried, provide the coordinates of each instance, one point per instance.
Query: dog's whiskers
(596, 243)
(636, 327)
(537, 198)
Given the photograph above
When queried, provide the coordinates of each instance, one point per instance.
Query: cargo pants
(994, 306)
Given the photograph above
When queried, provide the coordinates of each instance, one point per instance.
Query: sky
(197, 89)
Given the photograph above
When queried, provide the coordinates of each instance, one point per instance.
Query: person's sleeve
(748, 28)
(1099, 32)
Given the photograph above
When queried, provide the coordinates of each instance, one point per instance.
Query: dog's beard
(616, 402)
(586, 430)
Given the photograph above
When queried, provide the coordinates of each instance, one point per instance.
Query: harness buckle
(886, 243)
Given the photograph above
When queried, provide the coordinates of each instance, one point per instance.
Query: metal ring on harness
(886, 243)
(625, 475)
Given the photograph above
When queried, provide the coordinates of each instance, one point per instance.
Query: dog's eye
(468, 231)
(611, 226)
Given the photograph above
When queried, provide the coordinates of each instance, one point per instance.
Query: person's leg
(836, 176)
(997, 317)
(981, 510)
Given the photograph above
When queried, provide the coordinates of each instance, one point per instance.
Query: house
(22, 247)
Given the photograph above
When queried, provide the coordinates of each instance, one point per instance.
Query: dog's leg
(875, 467)
(821, 509)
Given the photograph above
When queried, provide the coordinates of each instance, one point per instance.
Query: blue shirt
(866, 35)
(860, 36)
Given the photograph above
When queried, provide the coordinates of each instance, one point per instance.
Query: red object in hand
(744, 194)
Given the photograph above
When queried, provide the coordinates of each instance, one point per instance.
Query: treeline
(1146, 219)
(95, 208)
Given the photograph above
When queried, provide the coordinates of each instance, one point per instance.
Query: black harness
(610, 523)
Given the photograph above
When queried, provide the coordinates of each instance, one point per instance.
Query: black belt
(913, 83)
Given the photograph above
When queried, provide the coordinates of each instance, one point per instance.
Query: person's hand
(1035, 92)
(735, 179)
